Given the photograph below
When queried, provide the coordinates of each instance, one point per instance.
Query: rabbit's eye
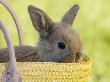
(61, 45)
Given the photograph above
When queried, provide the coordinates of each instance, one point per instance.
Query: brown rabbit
(59, 42)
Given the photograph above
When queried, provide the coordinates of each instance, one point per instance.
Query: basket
(51, 71)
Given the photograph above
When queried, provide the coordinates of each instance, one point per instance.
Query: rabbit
(58, 41)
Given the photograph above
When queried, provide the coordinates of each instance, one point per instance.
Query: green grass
(92, 23)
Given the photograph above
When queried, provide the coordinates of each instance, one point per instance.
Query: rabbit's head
(59, 42)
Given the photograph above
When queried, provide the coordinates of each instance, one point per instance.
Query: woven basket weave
(52, 72)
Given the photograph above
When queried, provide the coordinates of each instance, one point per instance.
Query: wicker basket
(52, 72)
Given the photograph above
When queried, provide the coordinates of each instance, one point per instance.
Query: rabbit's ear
(70, 15)
(40, 20)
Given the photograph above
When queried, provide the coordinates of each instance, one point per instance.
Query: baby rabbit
(59, 42)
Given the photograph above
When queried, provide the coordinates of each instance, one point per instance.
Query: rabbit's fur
(59, 42)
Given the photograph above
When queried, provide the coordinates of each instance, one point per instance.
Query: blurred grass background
(92, 23)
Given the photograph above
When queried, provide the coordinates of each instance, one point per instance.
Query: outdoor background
(92, 23)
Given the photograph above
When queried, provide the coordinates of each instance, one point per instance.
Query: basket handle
(11, 74)
(16, 20)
